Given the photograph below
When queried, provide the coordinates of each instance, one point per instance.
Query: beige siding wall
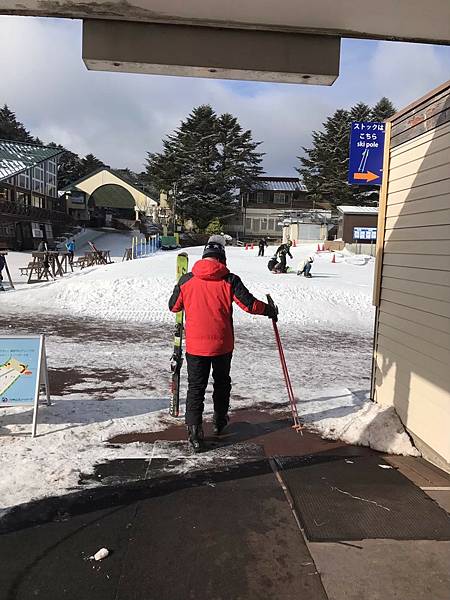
(412, 345)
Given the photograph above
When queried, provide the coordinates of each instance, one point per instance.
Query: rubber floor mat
(361, 498)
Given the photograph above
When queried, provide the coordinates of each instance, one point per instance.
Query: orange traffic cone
(294, 243)
(246, 246)
(323, 247)
(253, 246)
(333, 260)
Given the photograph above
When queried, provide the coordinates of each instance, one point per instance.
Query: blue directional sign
(366, 153)
(368, 234)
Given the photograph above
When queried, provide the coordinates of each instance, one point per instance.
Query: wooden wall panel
(433, 322)
(440, 338)
(415, 274)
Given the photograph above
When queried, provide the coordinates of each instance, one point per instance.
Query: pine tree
(214, 226)
(207, 159)
(361, 112)
(90, 163)
(69, 166)
(11, 128)
(383, 109)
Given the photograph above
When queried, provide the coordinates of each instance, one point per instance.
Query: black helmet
(215, 250)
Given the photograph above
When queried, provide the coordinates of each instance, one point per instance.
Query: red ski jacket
(207, 295)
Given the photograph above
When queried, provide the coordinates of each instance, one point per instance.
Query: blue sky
(119, 117)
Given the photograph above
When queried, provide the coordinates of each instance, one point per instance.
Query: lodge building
(30, 210)
(262, 207)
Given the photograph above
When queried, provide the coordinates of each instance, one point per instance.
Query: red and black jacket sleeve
(176, 299)
(244, 299)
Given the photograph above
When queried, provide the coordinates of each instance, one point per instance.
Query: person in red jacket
(207, 295)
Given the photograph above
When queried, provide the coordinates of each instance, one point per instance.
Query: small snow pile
(340, 415)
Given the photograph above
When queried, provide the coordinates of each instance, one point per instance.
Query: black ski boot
(195, 437)
(219, 423)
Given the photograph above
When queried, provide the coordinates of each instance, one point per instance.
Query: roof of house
(280, 184)
(358, 210)
(16, 157)
(73, 186)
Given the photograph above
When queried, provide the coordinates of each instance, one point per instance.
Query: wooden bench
(24, 270)
(80, 262)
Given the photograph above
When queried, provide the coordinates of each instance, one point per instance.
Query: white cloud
(409, 71)
(119, 117)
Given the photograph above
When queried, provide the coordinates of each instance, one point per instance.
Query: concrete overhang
(210, 52)
(409, 20)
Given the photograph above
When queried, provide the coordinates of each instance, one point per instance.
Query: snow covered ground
(337, 298)
(109, 338)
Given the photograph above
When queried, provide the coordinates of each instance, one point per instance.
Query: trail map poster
(20, 370)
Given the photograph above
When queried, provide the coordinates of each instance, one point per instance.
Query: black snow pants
(282, 263)
(198, 374)
(261, 251)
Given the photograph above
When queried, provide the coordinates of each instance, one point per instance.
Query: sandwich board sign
(366, 153)
(23, 371)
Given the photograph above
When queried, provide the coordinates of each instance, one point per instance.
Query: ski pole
(292, 401)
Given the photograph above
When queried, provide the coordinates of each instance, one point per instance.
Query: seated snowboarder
(206, 295)
(305, 267)
(272, 264)
(283, 250)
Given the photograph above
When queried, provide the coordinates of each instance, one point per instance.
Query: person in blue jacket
(70, 245)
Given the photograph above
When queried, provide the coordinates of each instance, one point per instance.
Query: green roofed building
(30, 209)
(104, 198)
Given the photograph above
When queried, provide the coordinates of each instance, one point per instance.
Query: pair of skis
(176, 361)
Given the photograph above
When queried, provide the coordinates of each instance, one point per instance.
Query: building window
(263, 224)
(39, 179)
(23, 199)
(248, 224)
(256, 225)
(23, 180)
(37, 201)
(271, 224)
(279, 198)
(259, 197)
(50, 178)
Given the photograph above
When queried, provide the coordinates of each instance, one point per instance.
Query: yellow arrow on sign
(369, 176)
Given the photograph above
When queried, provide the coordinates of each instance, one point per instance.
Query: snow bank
(337, 414)
(71, 439)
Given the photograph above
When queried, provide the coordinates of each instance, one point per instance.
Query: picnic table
(91, 258)
(52, 264)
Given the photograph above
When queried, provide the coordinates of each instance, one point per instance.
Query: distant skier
(305, 267)
(70, 245)
(262, 244)
(283, 250)
(2, 265)
(206, 295)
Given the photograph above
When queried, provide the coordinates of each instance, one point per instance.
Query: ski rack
(297, 425)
